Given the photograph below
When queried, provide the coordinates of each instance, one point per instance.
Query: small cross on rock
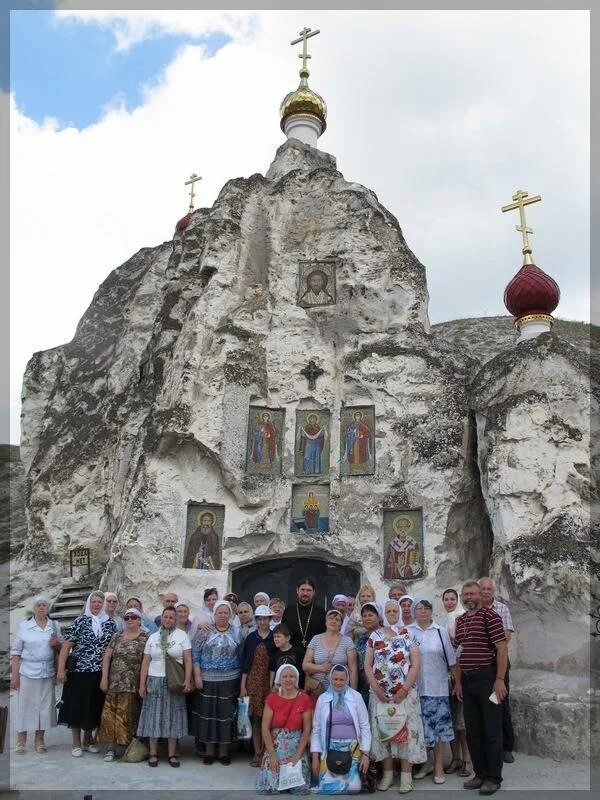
(311, 372)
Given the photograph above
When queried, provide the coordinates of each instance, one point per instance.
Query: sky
(443, 114)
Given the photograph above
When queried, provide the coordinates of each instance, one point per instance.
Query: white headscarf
(451, 616)
(100, 617)
(261, 594)
(396, 625)
(277, 681)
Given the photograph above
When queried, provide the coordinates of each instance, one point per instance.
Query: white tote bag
(290, 776)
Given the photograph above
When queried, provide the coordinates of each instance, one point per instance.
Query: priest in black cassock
(304, 618)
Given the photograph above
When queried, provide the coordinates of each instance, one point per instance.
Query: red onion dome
(183, 223)
(531, 291)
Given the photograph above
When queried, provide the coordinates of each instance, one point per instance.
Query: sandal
(464, 772)
(455, 764)
(153, 761)
(173, 761)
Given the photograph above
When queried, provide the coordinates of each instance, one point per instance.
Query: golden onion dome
(303, 101)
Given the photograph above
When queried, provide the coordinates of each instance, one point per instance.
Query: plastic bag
(290, 776)
(244, 726)
(391, 722)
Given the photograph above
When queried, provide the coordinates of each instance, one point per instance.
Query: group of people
(327, 694)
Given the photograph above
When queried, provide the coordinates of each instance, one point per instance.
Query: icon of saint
(311, 511)
(203, 550)
(316, 293)
(264, 443)
(358, 442)
(312, 441)
(403, 558)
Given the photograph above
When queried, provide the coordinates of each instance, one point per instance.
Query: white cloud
(443, 114)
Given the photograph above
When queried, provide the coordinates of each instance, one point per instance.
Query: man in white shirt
(487, 588)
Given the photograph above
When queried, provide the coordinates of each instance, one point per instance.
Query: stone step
(64, 615)
(72, 590)
(64, 603)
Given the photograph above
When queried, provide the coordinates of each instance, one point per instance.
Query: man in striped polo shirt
(482, 657)
(488, 600)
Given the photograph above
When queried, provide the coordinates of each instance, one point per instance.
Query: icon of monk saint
(203, 550)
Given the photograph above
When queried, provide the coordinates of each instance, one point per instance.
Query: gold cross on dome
(190, 183)
(305, 34)
(522, 199)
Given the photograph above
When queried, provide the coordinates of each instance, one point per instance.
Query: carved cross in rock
(311, 372)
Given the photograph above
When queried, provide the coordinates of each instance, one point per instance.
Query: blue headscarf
(338, 698)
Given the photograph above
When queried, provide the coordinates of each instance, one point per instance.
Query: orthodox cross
(522, 199)
(305, 34)
(311, 372)
(190, 183)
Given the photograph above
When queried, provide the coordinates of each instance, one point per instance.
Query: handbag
(136, 751)
(244, 726)
(391, 722)
(313, 687)
(175, 674)
(338, 761)
(450, 675)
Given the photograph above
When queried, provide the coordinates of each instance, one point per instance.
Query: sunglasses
(129, 617)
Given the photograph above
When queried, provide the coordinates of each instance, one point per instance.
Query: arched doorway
(279, 576)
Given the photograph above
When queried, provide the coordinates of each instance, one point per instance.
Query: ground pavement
(67, 778)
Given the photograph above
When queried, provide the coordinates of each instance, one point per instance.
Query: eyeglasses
(129, 617)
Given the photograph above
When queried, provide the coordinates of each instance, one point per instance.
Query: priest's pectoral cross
(311, 372)
(190, 183)
(522, 199)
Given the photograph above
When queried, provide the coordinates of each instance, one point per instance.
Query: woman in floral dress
(392, 667)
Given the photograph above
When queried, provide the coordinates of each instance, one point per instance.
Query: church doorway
(279, 577)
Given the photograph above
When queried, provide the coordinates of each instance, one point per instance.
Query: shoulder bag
(175, 674)
(338, 761)
(450, 675)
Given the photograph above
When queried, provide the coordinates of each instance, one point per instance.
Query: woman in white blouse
(32, 674)
(437, 659)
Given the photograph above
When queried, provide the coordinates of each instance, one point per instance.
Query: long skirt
(350, 783)
(437, 720)
(163, 714)
(213, 711)
(258, 682)
(82, 701)
(285, 743)
(414, 750)
(119, 718)
(35, 704)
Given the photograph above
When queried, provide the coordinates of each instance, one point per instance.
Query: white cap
(263, 611)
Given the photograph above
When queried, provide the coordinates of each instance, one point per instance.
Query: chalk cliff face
(147, 409)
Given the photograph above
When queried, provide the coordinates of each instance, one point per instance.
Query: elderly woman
(182, 609)
(461, 758)
(261, 599)
(86, 639)
(340, 603)
(245, 614)
(407, 607)
(371, 620)
(120, 680)
(259, 647)
(392, 614)
(163, 714)
(216, 660)
(437, 658)
(392, 667)
(32, 673)
(111, 602)
(286, 722)
(329, 648)
(148, 624)
(277, 606)
(341, 723)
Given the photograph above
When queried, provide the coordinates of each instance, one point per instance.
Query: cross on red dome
(531, 291)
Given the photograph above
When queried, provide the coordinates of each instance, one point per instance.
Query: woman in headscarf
(261, 599)
(213, 706)
(245, 615)
(164, 714)
(205, 618)
(286, 723)
(392, 667)
(148, 625)
(32, 674)
(392, 614)
(120, 682)
(86, 639)
(437, 658)
(407, 606)
(340, 603)
(461, 758)
(256, 677)
(341, 723)
(182, 609)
